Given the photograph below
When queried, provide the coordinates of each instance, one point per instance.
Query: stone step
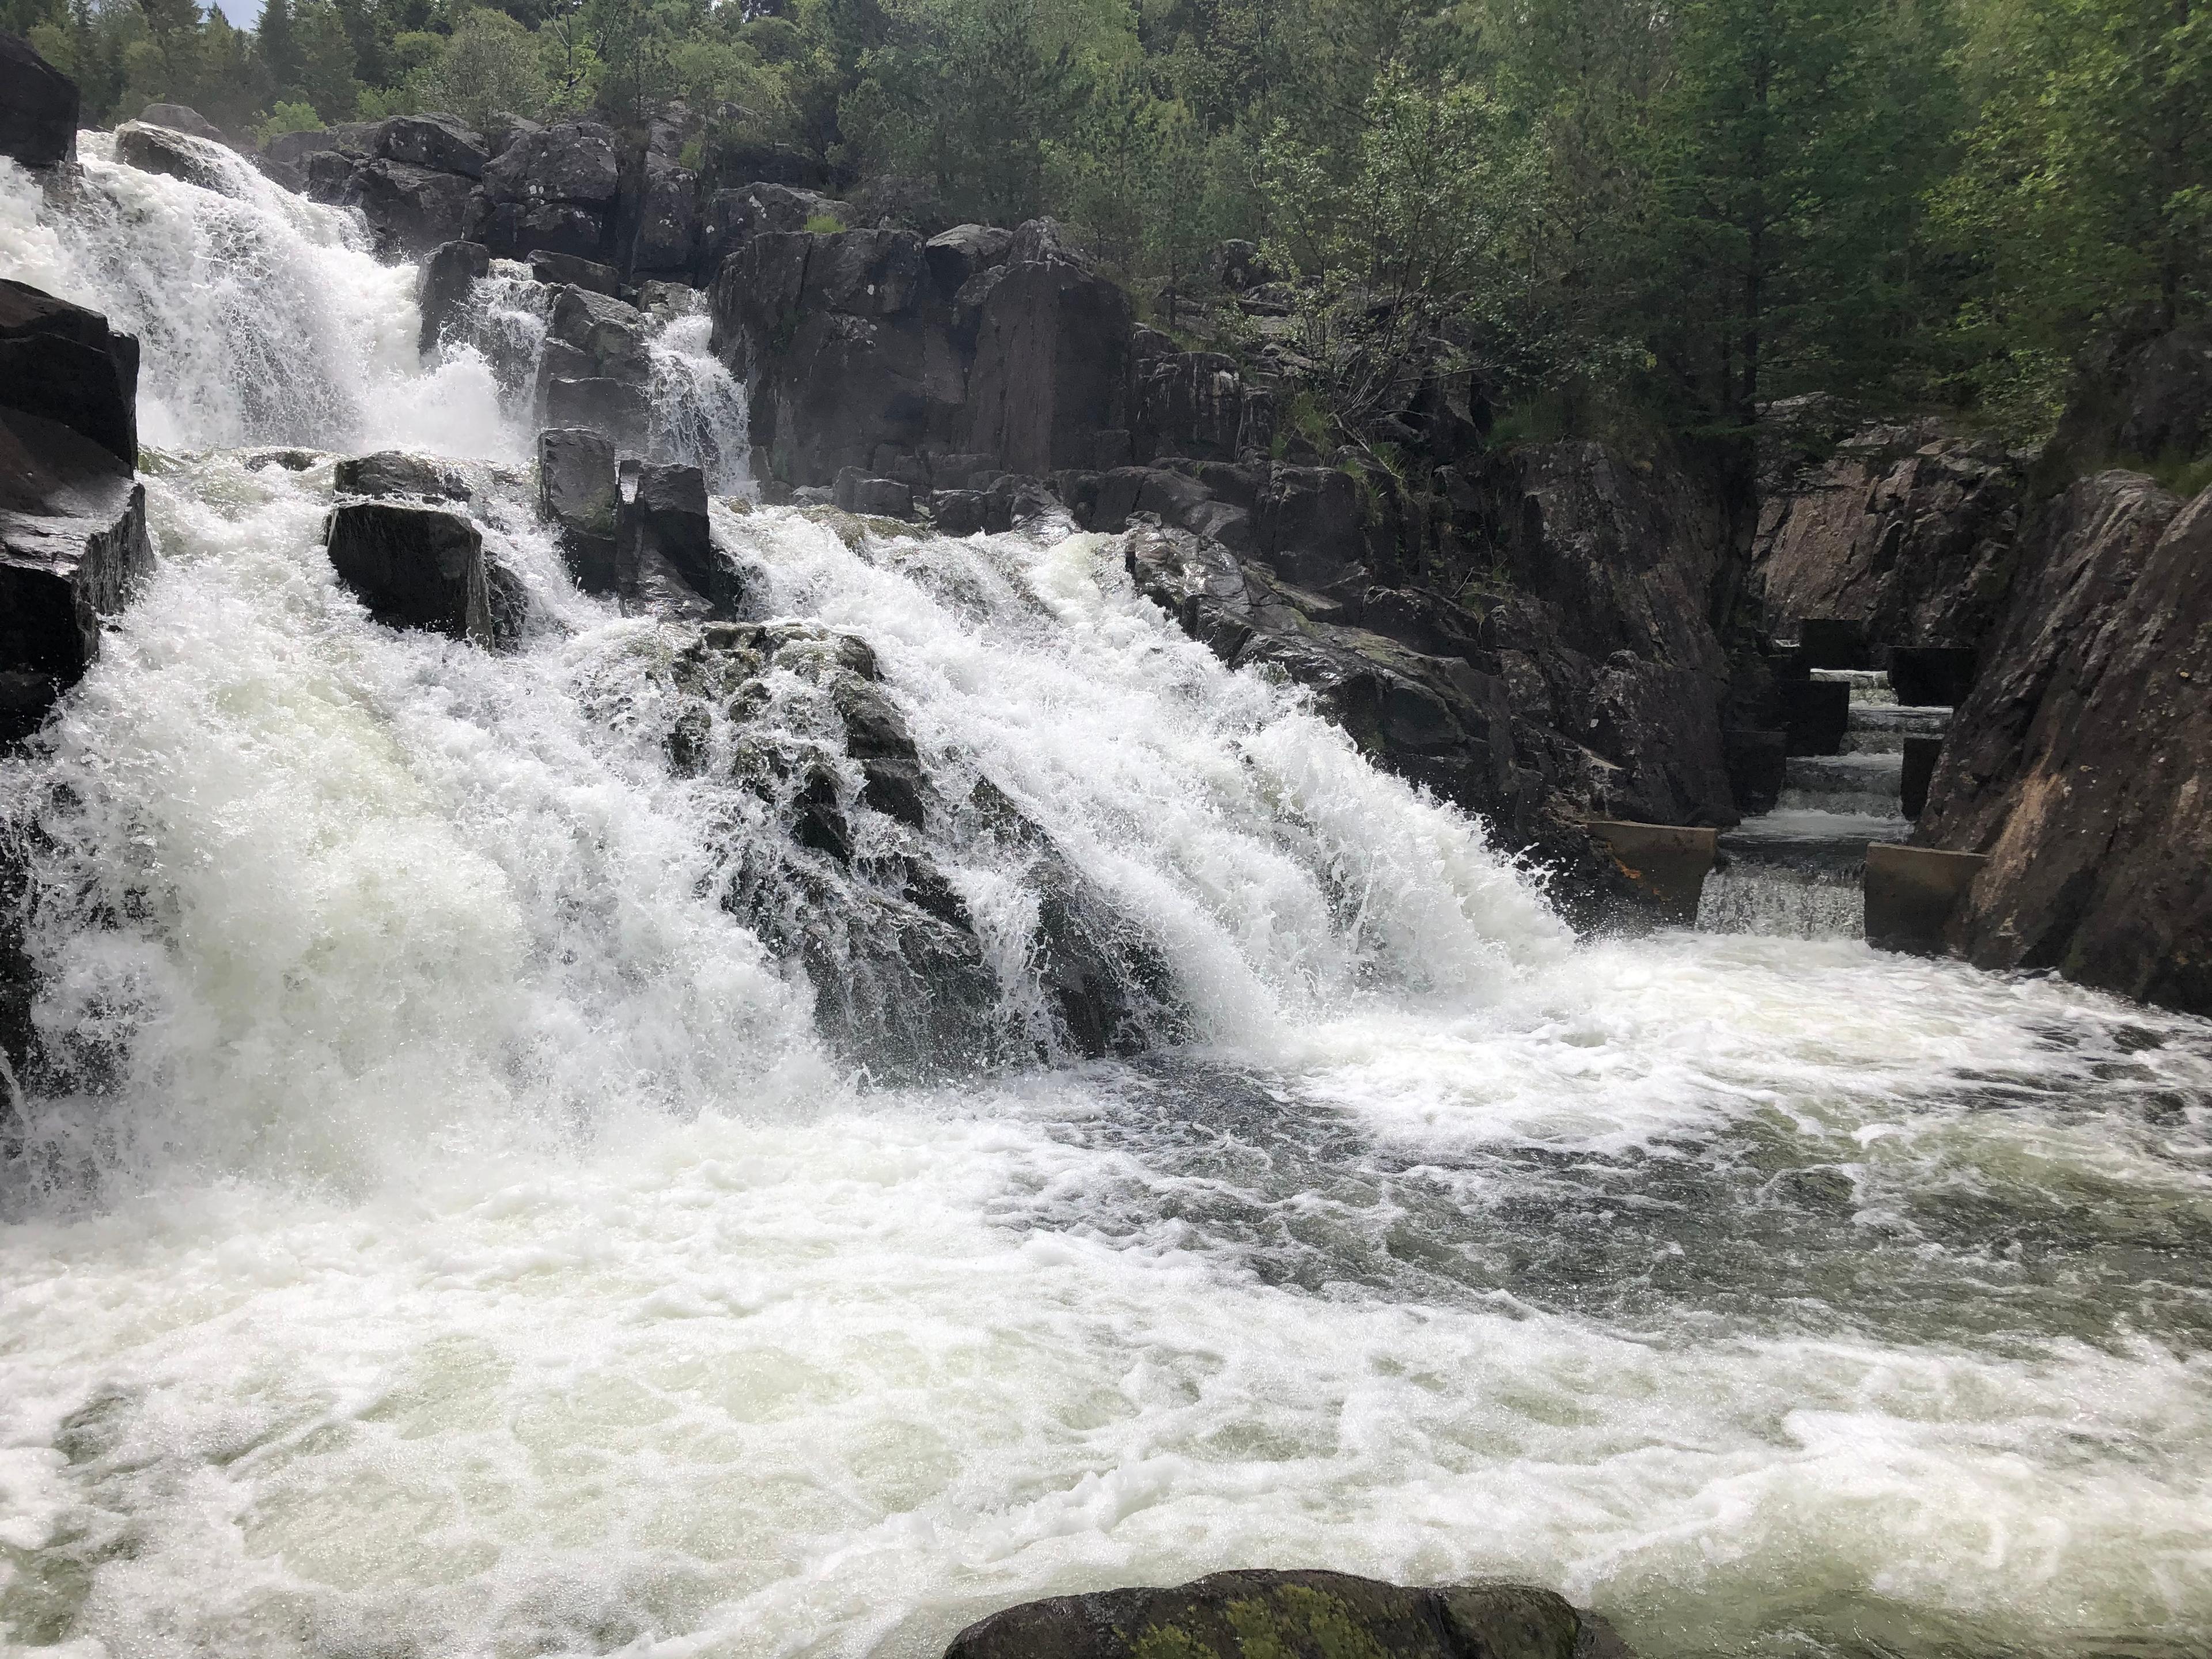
(1867, 684)
(1803, 838)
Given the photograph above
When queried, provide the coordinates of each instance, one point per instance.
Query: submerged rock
(1295, 1614)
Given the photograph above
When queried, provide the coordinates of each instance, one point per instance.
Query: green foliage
(1608, 211)
(288, 117)
(823, 224)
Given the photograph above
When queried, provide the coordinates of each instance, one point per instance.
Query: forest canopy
(1698, 207)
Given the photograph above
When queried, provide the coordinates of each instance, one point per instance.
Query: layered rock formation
(2081, 763)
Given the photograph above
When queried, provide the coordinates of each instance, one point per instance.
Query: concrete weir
(1668, 861)
(1911, 892)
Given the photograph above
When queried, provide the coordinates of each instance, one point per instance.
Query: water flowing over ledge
(461, 1235)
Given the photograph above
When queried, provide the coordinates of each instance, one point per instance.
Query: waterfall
(509, 1174)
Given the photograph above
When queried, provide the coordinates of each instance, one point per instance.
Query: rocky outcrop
(37, 106)
(1431, 716)
(73, 543)
(1295, 1614)
(1902, 528)
(1051, 362)
(595, 370)
(791, 719)
(552, 189)
(2081, 761)
(1604, 626)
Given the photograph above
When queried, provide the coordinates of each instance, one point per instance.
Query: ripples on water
(463, 1244)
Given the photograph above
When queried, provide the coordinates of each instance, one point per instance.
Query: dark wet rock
(1308, 523)
(1902, 528)
(959, 512)
(449, 275)
(390, 472)
(2081, 761)
(852, 885)
(414, 567)
(516, 230)
(1295, 1614)
(411, 208)
(620, 408)
(1050, 368)
(176, 154)
(73, 550)
(661, 520)
(578, 491)
(503, 127)
(887, 498)
(37, 106)
(63, 363)
(442, 143)
(610, 334)
(574, 161)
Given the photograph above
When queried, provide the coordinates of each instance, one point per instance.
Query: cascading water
(460, 1224)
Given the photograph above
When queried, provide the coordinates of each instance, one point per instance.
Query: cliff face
(1901, 527)
(2081, 763)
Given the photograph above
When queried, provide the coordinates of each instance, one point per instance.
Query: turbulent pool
(460, 1239)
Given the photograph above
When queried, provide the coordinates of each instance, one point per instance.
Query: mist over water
(456, 1229)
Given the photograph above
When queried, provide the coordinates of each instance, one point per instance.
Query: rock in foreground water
(1294, 1615)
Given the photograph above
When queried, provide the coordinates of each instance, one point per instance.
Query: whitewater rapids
(472, 1248)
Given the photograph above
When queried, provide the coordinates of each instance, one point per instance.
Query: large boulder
(957, 255)
(411, 208)
(37, 106)
(731, 218)
(442, 143)
(152, 148)
(1051, 360)
(183, 117)
(1902, 528)
(573, 161)
(2081, 761)
(1295, 1614)
(63, 364)
(577, 490)
(414, 567)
